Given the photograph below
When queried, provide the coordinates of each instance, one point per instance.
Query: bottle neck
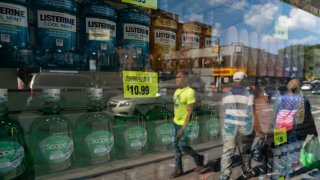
(94, 106)
(51, 108)
(3, 109)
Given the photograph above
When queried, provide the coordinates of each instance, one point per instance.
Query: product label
(51, 95)
(101, 34)
(136, 32)
(57, 30)
(192, 130)
(101, 10)
(69, 5)
(213, 126)
(136, 137)
(164, 41)
(191, 41)
(95, 93)
(165, 133)
(11, 155)
(136, 36)
(13, 25)
(99, 143)
(56, 148)
(166, 23)
(209, 42)
(191, 28)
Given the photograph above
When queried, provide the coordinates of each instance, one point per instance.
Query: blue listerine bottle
(93, 132)
(134, 32)
(51, 141)
(15, 159)
(14, 31)
(56, 31)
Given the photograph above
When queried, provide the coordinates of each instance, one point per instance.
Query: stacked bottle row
(55, 144)
(64, 33)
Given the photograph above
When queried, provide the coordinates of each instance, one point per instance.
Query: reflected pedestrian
(184, 100)
(237, 127)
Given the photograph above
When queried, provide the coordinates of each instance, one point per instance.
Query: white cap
(238, 76)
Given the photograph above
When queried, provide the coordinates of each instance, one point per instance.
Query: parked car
(306, 86)
(316, 89)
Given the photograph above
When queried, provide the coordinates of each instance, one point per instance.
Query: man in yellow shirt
(184, 100)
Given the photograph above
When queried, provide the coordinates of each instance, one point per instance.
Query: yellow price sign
(138, 84)
(153, 4)
(280, 136)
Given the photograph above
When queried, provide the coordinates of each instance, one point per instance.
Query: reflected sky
(251, 22)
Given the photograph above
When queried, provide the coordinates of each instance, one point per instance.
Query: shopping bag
(310, 152)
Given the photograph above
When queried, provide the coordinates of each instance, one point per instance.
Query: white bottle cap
(51, 95)
(94, 93)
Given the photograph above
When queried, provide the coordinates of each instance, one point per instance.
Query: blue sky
(251, 22)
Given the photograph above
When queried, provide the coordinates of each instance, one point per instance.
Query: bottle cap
(94, 93)
(51, 95)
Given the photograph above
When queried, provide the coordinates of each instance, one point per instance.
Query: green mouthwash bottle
(51, 141)
(15, 159)
(93, 134)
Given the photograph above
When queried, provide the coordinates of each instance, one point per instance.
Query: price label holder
(138, 84)
(153, 4)
(280, 136)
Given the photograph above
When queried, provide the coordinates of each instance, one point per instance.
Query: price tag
(137, 84)
(280, 136)
(153, 4)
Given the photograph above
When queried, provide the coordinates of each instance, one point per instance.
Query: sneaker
(176, 173)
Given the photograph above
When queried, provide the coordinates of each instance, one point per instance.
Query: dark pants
(180, 146)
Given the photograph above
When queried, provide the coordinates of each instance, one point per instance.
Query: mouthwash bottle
(93, 132)
(51, 141)
(15, 159)
(159, 128)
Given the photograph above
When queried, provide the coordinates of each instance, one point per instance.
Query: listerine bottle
(51, 141)
(15, 159)
(93, 134)
(159, 128)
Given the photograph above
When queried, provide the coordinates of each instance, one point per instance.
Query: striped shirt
(238, 106)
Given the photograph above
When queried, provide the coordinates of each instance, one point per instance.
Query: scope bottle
(93, 132)
(51, 141)
(15, 159)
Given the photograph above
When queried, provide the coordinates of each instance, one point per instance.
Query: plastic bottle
(133, 38)
(14, 31)
(51, 140)
(93, 132)
(15, 158)
(99, 32)
(56, 31)
(130, 135)
(163, 39)
(159, 128)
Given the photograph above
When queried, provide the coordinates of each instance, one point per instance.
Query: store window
(95, 88)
